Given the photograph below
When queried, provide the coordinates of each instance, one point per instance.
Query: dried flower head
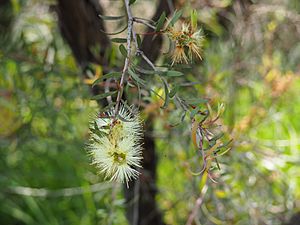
(115, 144)
(186, 39)
(179, 55)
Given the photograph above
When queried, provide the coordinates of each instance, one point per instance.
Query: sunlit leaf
(194, 18)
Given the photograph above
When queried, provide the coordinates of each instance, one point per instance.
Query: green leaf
(194, 112)
(131, 2)
(173, 73)
(111, 17)
(194, 19)
(173, 91)
(119, 40)
(112, 104)
(136, 78)
(104, 95)
(176, 16)
(114, 33)
(144, 71)
(167, 99)
(139, 40)
(218, 136)
(182, 116)
(106, 76)
(161, 21)
(195, 101)
(123, 50)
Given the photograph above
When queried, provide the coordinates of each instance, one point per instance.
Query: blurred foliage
(45, 109)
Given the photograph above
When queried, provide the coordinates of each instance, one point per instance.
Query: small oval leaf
(173, 73)
(119, 40)
(123, 50)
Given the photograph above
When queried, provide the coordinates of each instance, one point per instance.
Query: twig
(198, 204)
(148, 20)
(126, 64)
(132, 32)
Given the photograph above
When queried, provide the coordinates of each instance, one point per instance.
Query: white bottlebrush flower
(115, 144)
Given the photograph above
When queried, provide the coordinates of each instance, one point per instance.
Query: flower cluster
(115, 144)
(187, 40)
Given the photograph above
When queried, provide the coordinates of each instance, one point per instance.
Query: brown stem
(126, 64)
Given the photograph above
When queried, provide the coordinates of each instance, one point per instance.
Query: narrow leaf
(194, 112)
(104, 95)
(108, 107)
(173, 73)
(166, 95)
(123, 50)
(139, 40)
(131, 2)
(173, 91)
(114, 33)
(175, 17)
(136, 78)
(106, 76)
(111, 17)
(144, 71)
(119, 40)
(161, 21)
(195, 101)
(194, 19)
(218, 136)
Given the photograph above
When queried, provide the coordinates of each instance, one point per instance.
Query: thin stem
(198, 204)
(127, 59)
(142, 21)
(132, 32)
